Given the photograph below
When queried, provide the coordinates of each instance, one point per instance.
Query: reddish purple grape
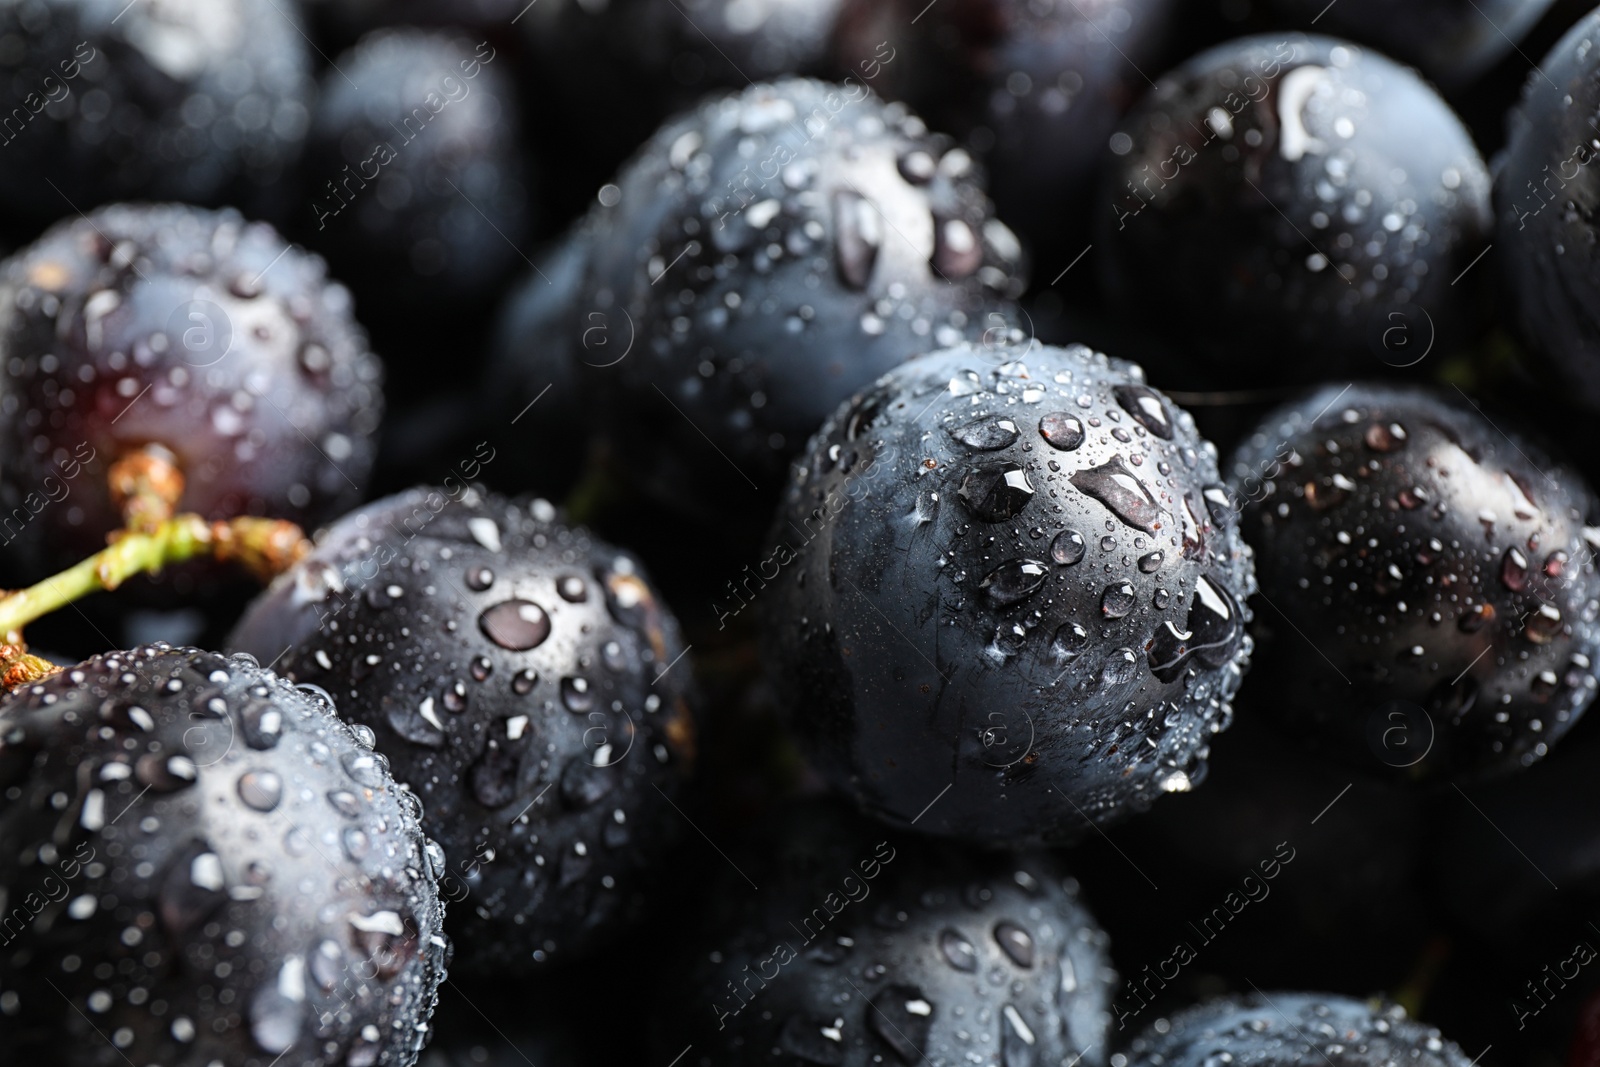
(192, 330)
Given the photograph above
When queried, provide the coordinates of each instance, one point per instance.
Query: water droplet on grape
(1014, 581)
(1068, 547)
(1118, 489)
(516, 625)
(1061, 430)
(260, 790)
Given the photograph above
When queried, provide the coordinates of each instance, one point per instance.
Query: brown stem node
(19, 667)
(267, 547)
(146, 486)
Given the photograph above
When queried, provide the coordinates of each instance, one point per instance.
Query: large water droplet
(1212, 633)
(166, 774)
(419, 724)
(192, 889)
(995, 494)
(813, 1040)
(1381, 438)
(1145, 405)
(1115, 486)
(1544, 624)
(1014, 581)
(1221, 503)
(517, 625)
(967, 383)
(127, 716)
(1194, 542)
(326, 964)
(577, 694)
(1068, 547)
(1017, 1039)
(1577, 674)
(858, 234)
(366, 768)
(356, 843)
(1117, 600)
(494, 777)
(260, 790)
(1069, 640)
(1514, 570)
(958, 952)
(1119, 667)
(1015, 942)
(345, 803)
(433, 858)
(485, 531)
(1061, 430)
(583, 784)
(986, 435)
(1475, 618)
(262, 723)
(315, 360)
(274, 1019)
(917, 167)
(297, 842)
(387, 938)
(957, 251)
(1522, 505)
(1324, 495)
(901, 1016)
